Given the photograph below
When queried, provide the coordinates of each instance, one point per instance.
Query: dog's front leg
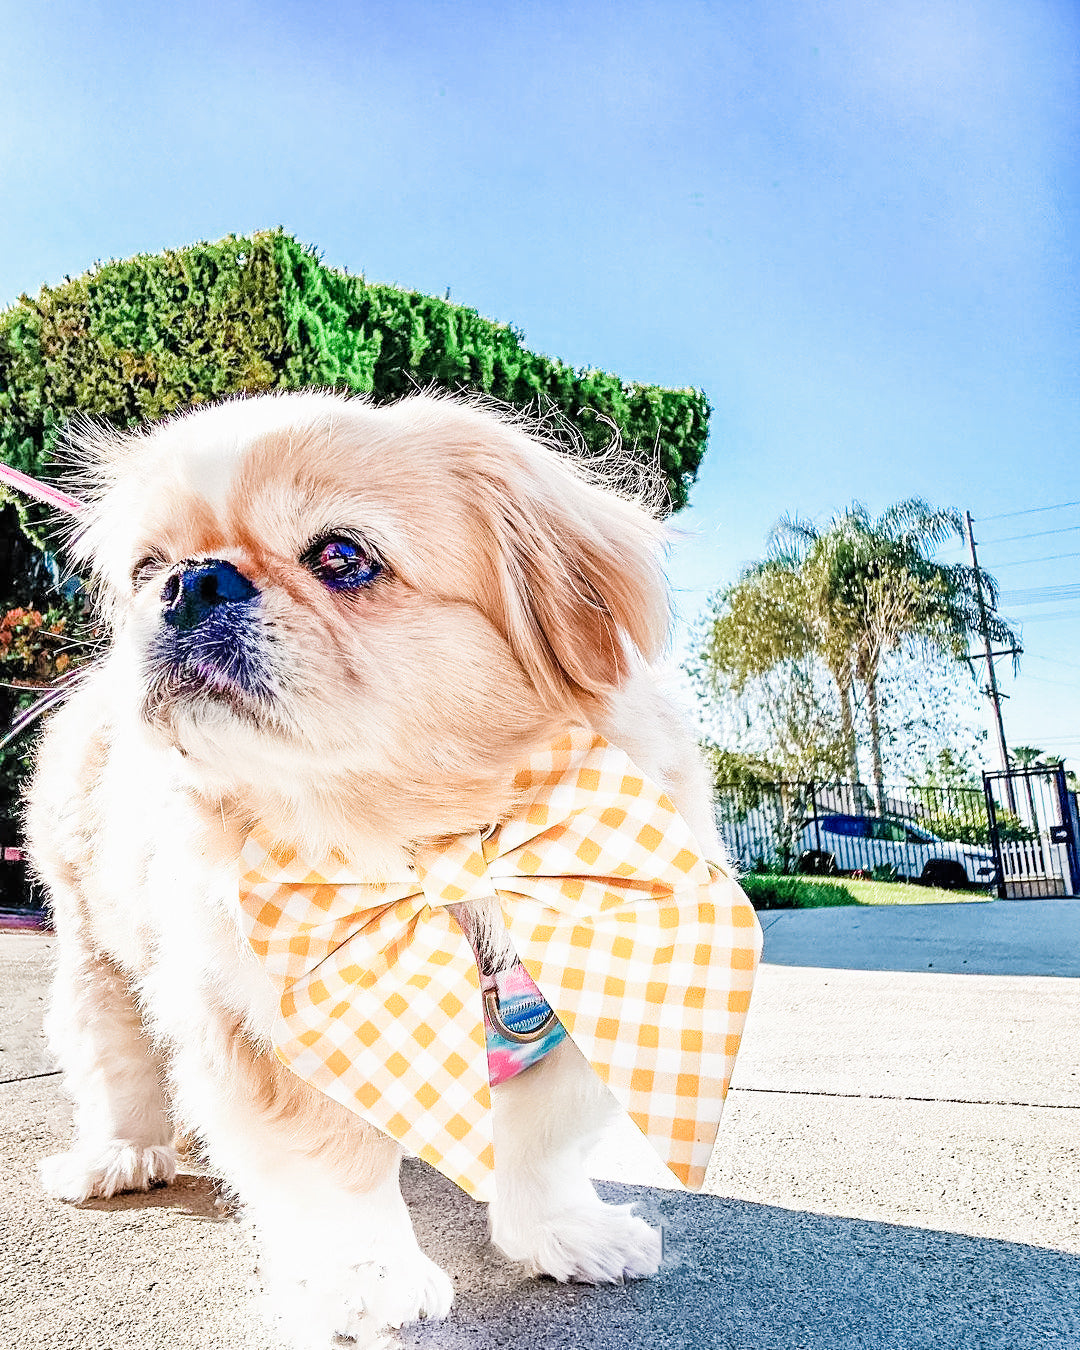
(123, 1135)
(546, 1212)
(338, 1253)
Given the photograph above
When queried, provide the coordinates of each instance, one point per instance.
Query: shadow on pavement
(998, 937)
(195, 1197)
(741, 1276)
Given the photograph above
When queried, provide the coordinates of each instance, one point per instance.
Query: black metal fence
(1018, 835)
(790, 827)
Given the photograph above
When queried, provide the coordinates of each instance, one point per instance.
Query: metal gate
(1034, 832)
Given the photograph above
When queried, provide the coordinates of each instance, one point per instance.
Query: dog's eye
(145, 568)
(342, 564)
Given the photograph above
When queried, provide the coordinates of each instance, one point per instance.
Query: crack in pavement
(904, 1097)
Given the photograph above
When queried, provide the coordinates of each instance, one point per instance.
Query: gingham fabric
(646, 952)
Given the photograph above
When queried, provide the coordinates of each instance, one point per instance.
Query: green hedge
(130, 341)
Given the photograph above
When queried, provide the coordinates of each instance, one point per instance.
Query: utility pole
(992, 687)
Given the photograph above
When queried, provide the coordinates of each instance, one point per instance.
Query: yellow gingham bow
(645, 951)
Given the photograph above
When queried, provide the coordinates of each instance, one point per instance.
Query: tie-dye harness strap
(520, 1025)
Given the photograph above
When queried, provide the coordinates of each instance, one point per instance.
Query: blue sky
(853, 224)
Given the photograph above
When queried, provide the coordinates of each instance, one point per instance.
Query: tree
(947, 771)
(879, 588)
(1072, 783)
(757, 666)
(843, 598)
(929, 705)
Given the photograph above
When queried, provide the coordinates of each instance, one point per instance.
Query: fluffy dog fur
(515, 597)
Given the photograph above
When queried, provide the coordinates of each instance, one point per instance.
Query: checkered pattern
(646, 952)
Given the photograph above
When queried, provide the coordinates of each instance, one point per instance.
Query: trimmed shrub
(130, 341)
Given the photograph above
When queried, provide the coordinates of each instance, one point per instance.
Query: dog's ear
(579, 587)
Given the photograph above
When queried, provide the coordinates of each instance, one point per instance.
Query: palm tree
(875, 586)
(768, 622)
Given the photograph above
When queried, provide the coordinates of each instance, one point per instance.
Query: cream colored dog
(349, 625)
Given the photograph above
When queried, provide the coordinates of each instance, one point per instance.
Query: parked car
(845, 843)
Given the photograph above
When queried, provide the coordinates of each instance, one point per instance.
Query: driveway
(897, 1168)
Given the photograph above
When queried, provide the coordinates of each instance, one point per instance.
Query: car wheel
(817, 864)
(948, 876)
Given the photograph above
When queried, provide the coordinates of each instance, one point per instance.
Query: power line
(1029, 562)
(1039, 595)
(1065, 616)
(1041, 679)
(1056, 661)
(1035, 534)
(1031, 511)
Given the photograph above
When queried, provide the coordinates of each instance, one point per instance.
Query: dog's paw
(601, 1244)
(391, 1295)
(115, 1167)
(357, 1305)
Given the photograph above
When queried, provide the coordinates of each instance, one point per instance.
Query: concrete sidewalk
(898, 1167)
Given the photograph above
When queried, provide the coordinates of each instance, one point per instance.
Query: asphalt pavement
(897, 1169)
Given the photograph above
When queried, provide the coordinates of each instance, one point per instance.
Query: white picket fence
(1036, 867)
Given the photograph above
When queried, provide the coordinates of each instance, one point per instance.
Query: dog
(346, 625)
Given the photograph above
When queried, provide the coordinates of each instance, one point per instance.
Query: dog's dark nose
(196, 588)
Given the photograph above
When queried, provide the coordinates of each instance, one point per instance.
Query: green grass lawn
(779, 892)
